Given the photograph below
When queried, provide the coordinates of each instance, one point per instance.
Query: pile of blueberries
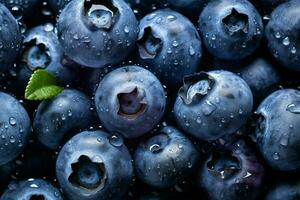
(159, 99)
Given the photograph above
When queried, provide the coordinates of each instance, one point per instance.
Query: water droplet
(34, 186)
(293, 50)
(198, 120)
(126, 29)
(70, 113)
(213, 37)
(293, 108)
(175, 43)
(277, 35)
(154, 148)
(116, 141)
(171, 18)
(276, 156)
(248, 174)
(12, 140)
(284, 140)
(192, 51)
(209, 108)
(286, 41)
(48, 27)
(12, 121)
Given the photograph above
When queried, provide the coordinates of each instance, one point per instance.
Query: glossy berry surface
(231, 29)
(94, 165)
(31, 189)
(166, 158)
(103, 34)
(281, 34)
(10, 38)
(232, 173)
(130, 101)
(149, 99)
(41, 50)
(213, 104)
(170, 53)
(276, 129)
(15, 128)
(61, 117)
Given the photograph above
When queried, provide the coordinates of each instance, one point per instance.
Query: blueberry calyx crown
(223, 165)
(236, 23)
(195, 87)
(36, 55)
(149, 45)
(87, 174)
(101, 14)
(37, 197)
(132, 102)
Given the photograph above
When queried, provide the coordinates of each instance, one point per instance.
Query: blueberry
(14, 128)
(277, 129)
(141, 8)
(130, 101)
(286, 191)
(97, 33)
(211, 105)
(41, 49)
(261, 77)
(62, 116)
(282, 34)
(231, 29)
(233, 173)
(170, 45)
(267, 6)
(31, 190)
(190, 8)
(21, 8)
(94, 166)
(165, 159)
(10, 37)
(5, 173)
(58, 5)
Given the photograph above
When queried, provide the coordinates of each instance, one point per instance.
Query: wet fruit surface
(149, 99)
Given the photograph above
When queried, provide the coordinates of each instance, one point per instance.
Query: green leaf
(41, 86)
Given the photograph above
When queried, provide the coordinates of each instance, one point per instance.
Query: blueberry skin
(232, 174)
(10, 37)
(267, 6)
(130, 101)
(261, 77)
(31, 189)
(190, 8)
(58, 5)
(5, 173)
(286, 191)
(170, 45)
(15, 128)
(277, 129)
(59, 117)
(21, 8)
(95, 166)
(142, 8)
(41, 49)
(281, 34)
(213, 104)
(96, 43)
(165, 159)
(231, 29)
